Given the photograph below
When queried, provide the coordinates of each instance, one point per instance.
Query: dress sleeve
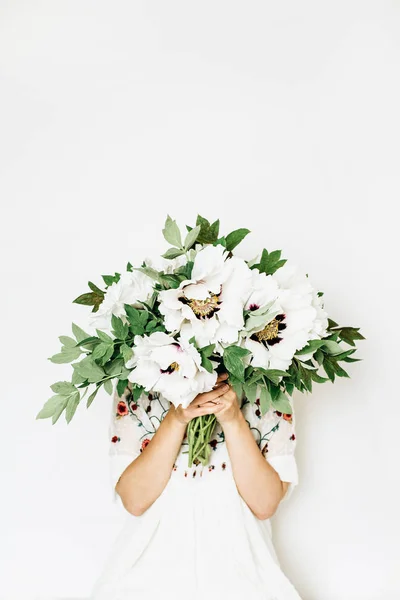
(278, 444)
(124, 437)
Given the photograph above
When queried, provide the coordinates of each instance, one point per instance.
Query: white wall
(279, 116)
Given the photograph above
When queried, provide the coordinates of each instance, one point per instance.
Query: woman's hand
(206, 403)
(228, 408)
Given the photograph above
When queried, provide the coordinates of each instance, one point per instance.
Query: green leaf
(108, 386)
(76, 379)
(66, 355)
(233, 361)
(265, 399)
(104, 337)
(64, 388)
(270, 262)
(206, 350)
(282, 404)
(59, 410)
(170, 281)
(152, 273)
(133, 316)
(72, 405)
(92, 396)
(79, 333)
(191, 237)
(172, 233)
(120, 329)
(207, 364)
(100, 350)
(126, 352)
(251, 392)
(51, 406)
(234, 238)
(310, 347)
(121, 386)
(110, 279)
(237, 386)
(332, 347)
(117, 367)
(67, 341)
(208, 233)
(173, 253)
(273, 374)
(90, 370)
(317, 378)
(93, 298)
(107, 355)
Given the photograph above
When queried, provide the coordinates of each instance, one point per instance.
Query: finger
(222, 377)
(213, 394)
(210, 410)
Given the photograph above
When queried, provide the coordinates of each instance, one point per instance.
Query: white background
(282, 117)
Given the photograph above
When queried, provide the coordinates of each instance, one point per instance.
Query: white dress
(199, 539)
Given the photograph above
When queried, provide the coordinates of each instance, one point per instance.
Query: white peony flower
(132, 288)
(171, 367)
(291, 320)
(166, 265)
(209, 306)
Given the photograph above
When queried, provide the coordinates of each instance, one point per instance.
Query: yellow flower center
(269, 332)
(202, 308)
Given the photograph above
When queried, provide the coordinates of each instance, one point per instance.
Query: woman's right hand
(204, 404)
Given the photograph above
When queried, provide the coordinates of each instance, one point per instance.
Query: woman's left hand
(227, 407)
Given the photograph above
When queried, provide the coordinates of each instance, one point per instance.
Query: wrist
(234, 423)
(175, 420)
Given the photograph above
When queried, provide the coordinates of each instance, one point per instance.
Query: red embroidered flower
(258, 413)
(223, 466)
(213, 444)
(145, 443)
(292, 437)
(194, 474)
(122, 409)
(278, 413)
(287, 417)
(211, 467)
(115, 439)
(133, 406)
(264, 449)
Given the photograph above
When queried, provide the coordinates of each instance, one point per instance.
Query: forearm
(257, 481)
(145, 478)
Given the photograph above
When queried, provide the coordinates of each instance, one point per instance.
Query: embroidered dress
(199, 539)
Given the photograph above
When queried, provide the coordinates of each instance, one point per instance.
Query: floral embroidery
(292, 437)
(211, 467)
(115, 439)
(122, 409)
(133, 406)
(223, 466)
(286, 416)
(145, 443)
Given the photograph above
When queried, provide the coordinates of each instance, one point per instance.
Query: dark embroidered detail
(122, 409)
(145, 443)
(223, 466)
(115, 439)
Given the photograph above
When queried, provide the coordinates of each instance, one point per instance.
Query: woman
(201, 532)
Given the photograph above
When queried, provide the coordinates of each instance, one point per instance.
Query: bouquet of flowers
(173, 323)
